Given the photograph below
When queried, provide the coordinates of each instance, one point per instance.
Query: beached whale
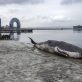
(59, 47)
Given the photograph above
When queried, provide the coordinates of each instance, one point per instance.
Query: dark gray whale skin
(64, 46)
(59, 47)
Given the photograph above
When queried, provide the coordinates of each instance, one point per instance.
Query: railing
(15, 30)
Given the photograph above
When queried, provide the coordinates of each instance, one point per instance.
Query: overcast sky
(42, 12)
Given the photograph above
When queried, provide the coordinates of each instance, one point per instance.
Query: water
(70, 36)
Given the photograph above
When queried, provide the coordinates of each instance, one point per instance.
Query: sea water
(70, 36)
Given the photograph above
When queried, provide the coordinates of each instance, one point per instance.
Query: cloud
(5, 2)
(71, 1)
(45, 21)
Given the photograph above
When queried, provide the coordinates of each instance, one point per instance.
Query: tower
(0, 22)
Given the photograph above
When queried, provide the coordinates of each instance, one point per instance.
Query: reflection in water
(15, 37)
(9, 36)
(77, 31)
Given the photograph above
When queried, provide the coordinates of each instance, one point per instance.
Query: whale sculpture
(59, 47)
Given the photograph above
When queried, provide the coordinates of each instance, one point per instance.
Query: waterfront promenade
(20, 63)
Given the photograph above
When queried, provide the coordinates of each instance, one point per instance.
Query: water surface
(70, 36)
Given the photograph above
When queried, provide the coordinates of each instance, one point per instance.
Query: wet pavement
(20, 62)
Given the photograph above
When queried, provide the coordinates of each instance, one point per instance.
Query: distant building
(78, 27)
(0, 22)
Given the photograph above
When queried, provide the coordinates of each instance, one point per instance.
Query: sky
(42, 13)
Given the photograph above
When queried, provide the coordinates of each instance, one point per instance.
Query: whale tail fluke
(32, 41)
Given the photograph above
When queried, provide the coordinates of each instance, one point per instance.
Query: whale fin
(32, 41)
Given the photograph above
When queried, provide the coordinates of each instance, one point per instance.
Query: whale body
(59, 47)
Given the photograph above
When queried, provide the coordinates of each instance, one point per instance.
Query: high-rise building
(0, 22)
